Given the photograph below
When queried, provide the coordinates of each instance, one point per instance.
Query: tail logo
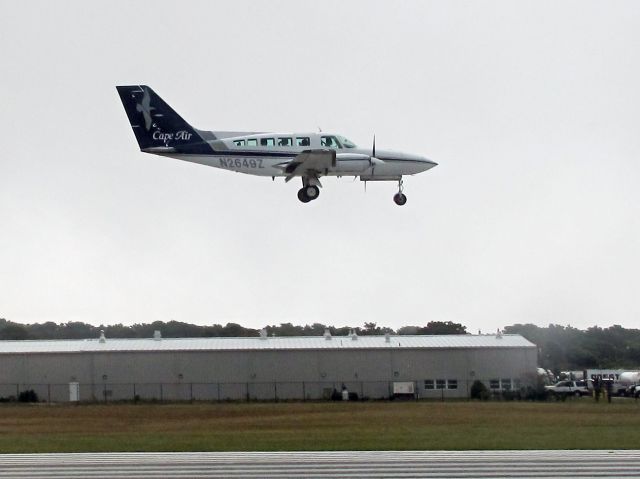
(145, 108)
(166, 137)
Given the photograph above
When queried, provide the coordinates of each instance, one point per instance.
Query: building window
(440, 384)
(452, 384)
(506, 384)
(494, 384)
(429, 384)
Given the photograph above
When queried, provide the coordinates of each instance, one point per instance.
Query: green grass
(578, 424)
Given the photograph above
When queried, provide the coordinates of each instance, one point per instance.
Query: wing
(310, 163)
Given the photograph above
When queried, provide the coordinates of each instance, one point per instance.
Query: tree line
(175, 329)
(560, 348)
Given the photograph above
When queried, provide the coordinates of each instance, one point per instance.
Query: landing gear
(310, 189)
(399, 198)
(308, 193)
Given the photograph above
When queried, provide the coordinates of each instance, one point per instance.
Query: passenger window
(267, 142)
(285, 141)
(303, 141)
(330, 142)
(238, 142)
(252, 142)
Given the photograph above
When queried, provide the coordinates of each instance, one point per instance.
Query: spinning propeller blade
(373, 161)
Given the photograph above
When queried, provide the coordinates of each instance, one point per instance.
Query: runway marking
(322, 464)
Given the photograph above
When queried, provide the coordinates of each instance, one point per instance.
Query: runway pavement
(350, 464)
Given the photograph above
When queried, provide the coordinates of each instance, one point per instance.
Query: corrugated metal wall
(260, 375)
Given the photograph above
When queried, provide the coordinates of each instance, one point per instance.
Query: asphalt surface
(349, 464)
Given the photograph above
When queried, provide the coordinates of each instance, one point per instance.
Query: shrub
(28, 396)
(479, 390)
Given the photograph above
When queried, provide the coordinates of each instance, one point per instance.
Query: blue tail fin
(157, 126)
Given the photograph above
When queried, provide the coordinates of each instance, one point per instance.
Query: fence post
(161, 393)
(49, 393)
(135, 399)
(275, 391)
(218, 384)
(304, 392)
(191, 392)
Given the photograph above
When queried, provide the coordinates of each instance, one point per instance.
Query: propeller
(373, 161)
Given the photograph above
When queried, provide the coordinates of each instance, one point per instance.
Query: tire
(400, 199)
(577, 394)
(302, 196)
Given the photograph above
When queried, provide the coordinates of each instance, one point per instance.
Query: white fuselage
(266, 159)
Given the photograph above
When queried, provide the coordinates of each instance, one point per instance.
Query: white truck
(627, 383)
(569, 388)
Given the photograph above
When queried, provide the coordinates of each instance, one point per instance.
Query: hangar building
(264, 368)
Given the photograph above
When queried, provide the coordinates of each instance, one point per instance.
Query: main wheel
(302, 195)
(400, 199)
(312, 192)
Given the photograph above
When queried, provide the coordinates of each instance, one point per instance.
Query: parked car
(569, 388)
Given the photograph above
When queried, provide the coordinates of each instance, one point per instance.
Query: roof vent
(354, 336)
(157, 335)
(102, 337)
(499, 334)
(387, 338)
(327, 334)
(263, 333)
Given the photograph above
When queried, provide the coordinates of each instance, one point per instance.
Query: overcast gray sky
(531, 110)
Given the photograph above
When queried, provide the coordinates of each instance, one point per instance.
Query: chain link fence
(255, 391)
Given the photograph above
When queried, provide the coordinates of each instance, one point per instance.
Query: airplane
(161, 131)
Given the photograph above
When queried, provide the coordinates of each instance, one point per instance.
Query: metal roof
(464, 341)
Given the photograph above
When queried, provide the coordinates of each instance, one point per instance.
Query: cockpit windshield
(346, 143)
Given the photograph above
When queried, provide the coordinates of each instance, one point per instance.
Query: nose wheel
(308, 193)
(400, 198)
